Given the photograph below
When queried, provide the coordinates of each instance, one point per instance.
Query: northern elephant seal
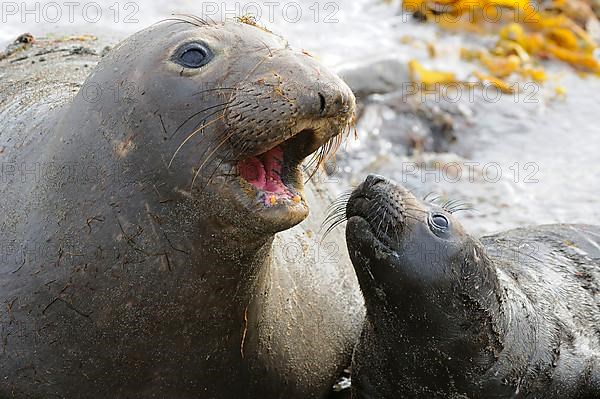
(146, 207)
(511, 315)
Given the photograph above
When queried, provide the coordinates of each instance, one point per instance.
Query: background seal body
(120, 278)
(511, 315)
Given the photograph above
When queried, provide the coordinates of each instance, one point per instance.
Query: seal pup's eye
(192, 55)
(439, 221)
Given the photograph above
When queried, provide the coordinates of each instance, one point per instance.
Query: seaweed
(528, 35)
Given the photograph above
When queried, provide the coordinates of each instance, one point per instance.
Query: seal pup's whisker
(461, 206)
(431, 197)
(387, 225)
(335, 208)
(336, 213)
(467, 208)
(413, 209)
(341, 199)
(333, 220)
(332, 226)
(451, 206)
(448, 203)
(381, 221)
(456, 206)
(334, 216)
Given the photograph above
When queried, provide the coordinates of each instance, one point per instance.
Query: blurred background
(493, 103)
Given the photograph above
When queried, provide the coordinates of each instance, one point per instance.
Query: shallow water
(552, 143)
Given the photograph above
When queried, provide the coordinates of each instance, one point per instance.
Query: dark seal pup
(139, 219)
(511, 315)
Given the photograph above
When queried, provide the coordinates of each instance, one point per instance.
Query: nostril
(323, 103)
(373, 179)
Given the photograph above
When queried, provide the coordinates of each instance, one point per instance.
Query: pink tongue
(264, 171)
(253, 172)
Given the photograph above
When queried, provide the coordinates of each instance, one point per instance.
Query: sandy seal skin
(120, 278)
(512, 315)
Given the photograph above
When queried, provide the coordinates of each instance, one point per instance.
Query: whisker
(194, 17)
(210, 155)
(333, 217)
(415, 209)
(326, 152)
(471, 209)
(180, 20)
(213, 172)
(332, 227)
(431, 197)
(191, 135)
(224, 105)
(215, 89)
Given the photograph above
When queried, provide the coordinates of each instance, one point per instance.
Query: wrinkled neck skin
(456, 337)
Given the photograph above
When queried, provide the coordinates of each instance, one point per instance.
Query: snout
(289, 94)
(374, 179)
(385, 205)
(379, 186)
(324, 94)
(335, 100)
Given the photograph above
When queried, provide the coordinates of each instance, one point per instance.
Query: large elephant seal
(145, 208)
(512, 315)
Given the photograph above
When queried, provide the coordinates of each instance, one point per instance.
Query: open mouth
(266, 173)
(275, 175)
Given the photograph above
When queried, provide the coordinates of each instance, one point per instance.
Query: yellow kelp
(500, 84)
(429, 78)
(527, 33)
(501, 66)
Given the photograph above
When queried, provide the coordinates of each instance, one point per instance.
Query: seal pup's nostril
(323, 105)
(373, 179)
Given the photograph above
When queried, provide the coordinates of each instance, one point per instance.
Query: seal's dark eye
(192, 55)
(439, 221)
